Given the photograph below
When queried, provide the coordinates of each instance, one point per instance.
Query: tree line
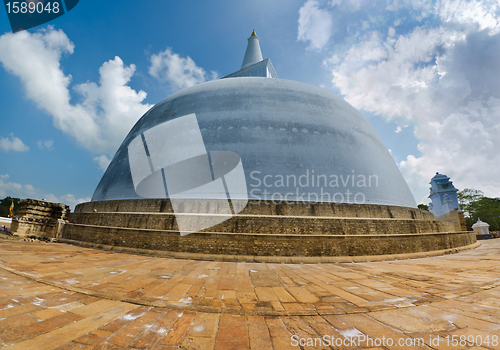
(476, 206)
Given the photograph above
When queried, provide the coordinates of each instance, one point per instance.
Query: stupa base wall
(270, 248)
(267, 231)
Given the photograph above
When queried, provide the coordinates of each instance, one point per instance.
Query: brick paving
(57, 296)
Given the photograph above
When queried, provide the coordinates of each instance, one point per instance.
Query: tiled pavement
(56, 296)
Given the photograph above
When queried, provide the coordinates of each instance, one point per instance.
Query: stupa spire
(253, 53)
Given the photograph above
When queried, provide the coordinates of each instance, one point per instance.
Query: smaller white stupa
(481, 227)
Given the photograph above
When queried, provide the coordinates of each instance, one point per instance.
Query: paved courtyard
(57, 296)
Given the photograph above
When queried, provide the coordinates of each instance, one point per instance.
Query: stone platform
(267, 231)
(56, 296)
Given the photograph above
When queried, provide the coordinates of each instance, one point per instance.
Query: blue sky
(424, 73)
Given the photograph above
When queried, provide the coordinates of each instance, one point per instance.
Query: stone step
(261, 208)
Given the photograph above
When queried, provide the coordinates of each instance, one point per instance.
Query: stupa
(253, 167)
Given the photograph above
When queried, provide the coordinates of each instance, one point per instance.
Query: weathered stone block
(40, 218)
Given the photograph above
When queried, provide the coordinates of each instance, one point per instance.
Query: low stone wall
(269, 224)
(283, 230)
(40, 218)
(268, 244)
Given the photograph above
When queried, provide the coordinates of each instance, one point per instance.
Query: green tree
(486, 209)
(466, 198)
(423, 207)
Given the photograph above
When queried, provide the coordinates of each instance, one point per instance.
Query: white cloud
(179, 72)
(13, 144)
(18, 190)
(108, 111)
(315, 25)
(356, 4)
(15, 189)
(70, 200)
(45, 144)
(102, 161)
(399, 128)
(376, 73)
(443, 79)
(417, 179)
(482, 14)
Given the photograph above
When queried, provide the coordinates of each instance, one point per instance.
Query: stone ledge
(261, 208)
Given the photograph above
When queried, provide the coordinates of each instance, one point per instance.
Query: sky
(424, 74)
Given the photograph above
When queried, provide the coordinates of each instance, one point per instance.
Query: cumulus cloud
(443, 77)
(12, 144)
(102, 161)
(315, 25)
(177, 71)
(17, 190)
(108, 110)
